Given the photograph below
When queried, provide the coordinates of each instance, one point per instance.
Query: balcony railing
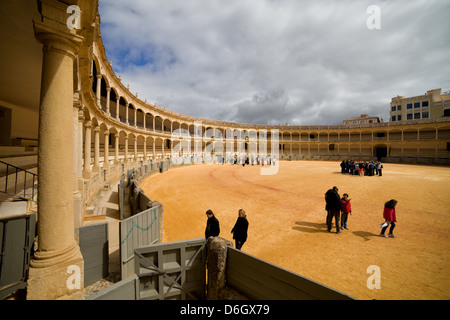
(18, 182)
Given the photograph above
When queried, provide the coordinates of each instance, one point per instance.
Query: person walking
(380, 168)
(240, 229)
(212, 225)
(333, 207)
(346, 210)
(390, 218)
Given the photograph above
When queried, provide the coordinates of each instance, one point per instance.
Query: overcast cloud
(277, 61)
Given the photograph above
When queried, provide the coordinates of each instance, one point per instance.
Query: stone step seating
(98, 210)
(95, 213)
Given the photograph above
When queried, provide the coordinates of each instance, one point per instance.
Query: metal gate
(139, 230)
(17, 234)
(172, 271)
(94, 248)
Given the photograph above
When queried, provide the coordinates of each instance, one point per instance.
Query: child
(346, 209)
(390, 218)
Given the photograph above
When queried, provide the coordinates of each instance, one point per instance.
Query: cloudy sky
(278, 61)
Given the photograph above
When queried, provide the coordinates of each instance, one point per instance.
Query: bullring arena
(287, 221)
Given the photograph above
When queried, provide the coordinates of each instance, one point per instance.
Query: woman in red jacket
(346, 209)
(390, 218)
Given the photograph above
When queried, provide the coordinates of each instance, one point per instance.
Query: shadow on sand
(314, 227)
(310, 227)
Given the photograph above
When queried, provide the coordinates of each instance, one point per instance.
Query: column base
(62, 280)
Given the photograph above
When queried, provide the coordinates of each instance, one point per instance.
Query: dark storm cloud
(261, 61)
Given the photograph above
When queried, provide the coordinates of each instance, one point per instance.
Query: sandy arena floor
(287, 222)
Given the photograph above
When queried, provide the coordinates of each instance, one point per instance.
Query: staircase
(18, 181)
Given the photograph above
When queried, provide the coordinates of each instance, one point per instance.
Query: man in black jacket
(333, 207)
(212, 225)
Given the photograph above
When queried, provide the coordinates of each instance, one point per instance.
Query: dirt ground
(286, 214)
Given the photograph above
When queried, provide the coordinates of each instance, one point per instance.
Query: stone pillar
(98, 91)
(58, 252)
(135, 150)
(145, 149)
(154, 149)
(80, 144)
(217, 259)
(106, 150)
(87, 150)
(125, 152)
(117, 106)
(108, 97)
(96, 167)
(116, 148)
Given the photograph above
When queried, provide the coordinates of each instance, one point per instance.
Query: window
(417, 105)
(393, 108)
(381, 134)
(393, 118)
(447, 113)
(425, 115)
(399, 118)
(409, 116)
(409, 106)
(331, 147)
(370, 121)
(424, 103)
(417, 115)
(399, 107)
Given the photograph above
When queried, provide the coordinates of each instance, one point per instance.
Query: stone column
(116, 148)
(96, 167)
(87, 150)
(99, 88)
(135, 150)
(108, 97)
(106, 150)
(58, 252)
(117, 106)
(145, 149)
(80, 145)
(125, 152)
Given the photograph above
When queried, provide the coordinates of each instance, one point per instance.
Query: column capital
(54, 39)
(88, 124)
(97, 129)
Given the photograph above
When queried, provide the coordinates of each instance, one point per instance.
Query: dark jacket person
(212, 225)
(239, 230)
(333, 207)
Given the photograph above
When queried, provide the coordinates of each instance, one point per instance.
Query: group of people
(247, 160)
(335, 205)
(362, 168)
(239, 230)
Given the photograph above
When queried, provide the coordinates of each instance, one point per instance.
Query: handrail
(18, 170)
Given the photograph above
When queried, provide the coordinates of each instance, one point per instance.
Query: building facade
(432, 105)
(362, 119)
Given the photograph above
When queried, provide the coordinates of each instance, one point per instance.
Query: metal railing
(20, 180)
